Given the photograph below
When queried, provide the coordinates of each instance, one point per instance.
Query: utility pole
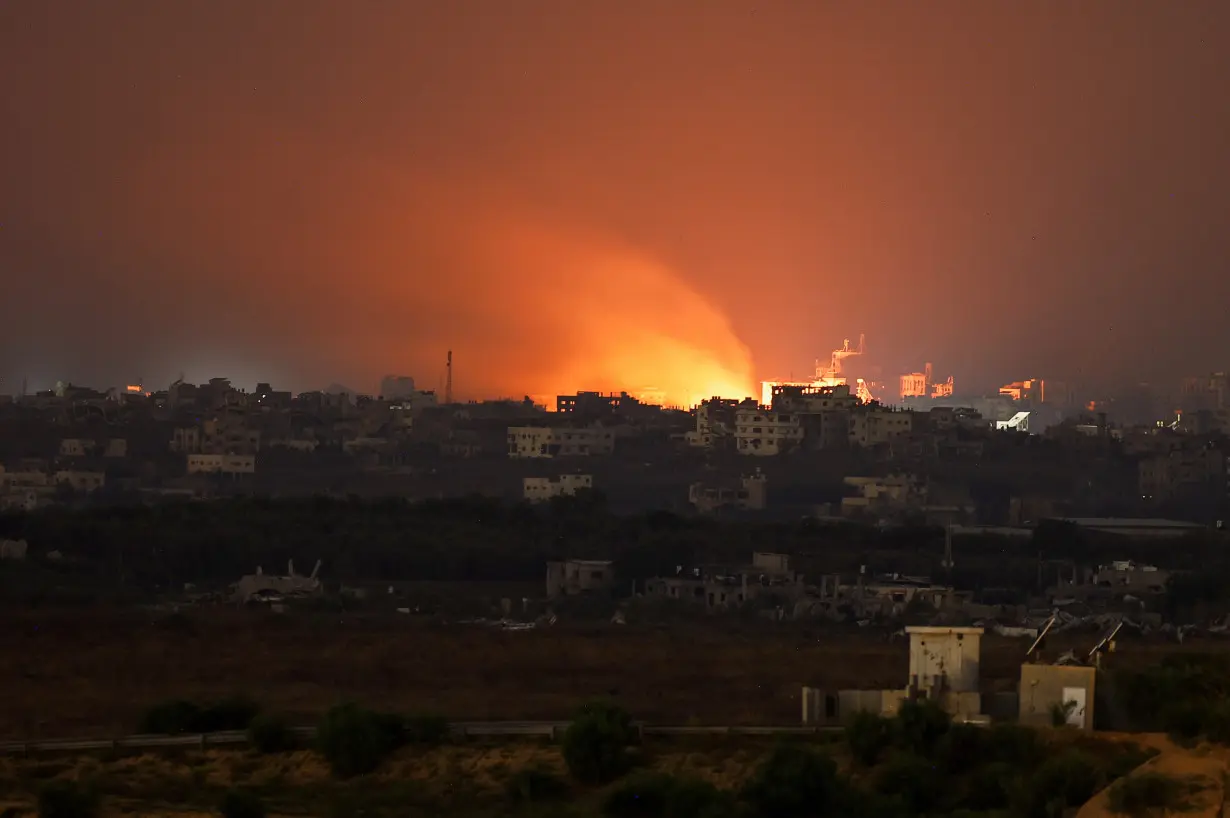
(448, 382)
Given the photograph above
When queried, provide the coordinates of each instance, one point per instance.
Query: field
(94, 672)
(470, 779)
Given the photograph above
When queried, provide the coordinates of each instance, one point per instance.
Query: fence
(547, 729)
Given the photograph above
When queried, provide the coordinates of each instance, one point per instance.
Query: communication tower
(448, 380)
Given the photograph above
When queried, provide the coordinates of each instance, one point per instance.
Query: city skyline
(614, 197)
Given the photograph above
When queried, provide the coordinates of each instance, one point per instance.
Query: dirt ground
(94, 672)
(1204, 768)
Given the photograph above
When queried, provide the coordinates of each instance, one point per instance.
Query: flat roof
(939, 630)
(1128, 522)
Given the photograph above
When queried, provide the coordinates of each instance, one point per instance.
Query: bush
(235, 713)
(1014, 744)
(658, 795)
(354, 741)
(913, 780)
(963, 747)
(869, 735)
(178, 716)
(272, 734)
(1145, 793)
(795, 780)
(1067, 780)
(171, 718)
(67, 799)
(921, 723)
(1127, 760)
(991, 787)
(427, 730)
(241, 804)
(535, 785)
(595, 746)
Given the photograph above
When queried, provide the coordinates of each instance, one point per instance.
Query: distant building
(1136, 528)
(396, 387)
(80, 480)
(572, 577)
(718, 587)
(233, 464)
(764, 432)
(550, 441)
(76, 447)
(715, 422)
(750, 494)
(541, 489)
(879, 495)
(873, 426)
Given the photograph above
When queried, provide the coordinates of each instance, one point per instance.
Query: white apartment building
(221, 464)
(763, 432)
(541, 489)
(548, 441)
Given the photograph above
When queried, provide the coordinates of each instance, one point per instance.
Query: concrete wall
(951, 653)
(821, 707)
(1043, 687)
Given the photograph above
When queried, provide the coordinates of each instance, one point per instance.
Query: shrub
(795, 780)
(991, 787)
(427, 730)
(1067, 780)
(67, 799)
(535, 785)
(658, 795)
(1145, 793)
(1184, 720)
(354, 741)
(1061, 712)
(272, 734)
(595, 746)
(1013, 744)
(869, 735)
(171, 718)
(180, 716)
(913, 780)
(921, 724)
(1127, 760)
(963, 748)
(241, 804)
(235, 713)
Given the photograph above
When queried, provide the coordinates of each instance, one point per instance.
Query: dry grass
(75, 673)
(299, 783)
(459, 779)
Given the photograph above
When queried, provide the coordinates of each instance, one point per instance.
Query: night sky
(688, 195)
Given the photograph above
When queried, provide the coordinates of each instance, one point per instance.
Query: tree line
(484, 539)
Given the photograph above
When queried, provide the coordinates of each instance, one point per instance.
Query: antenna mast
(448, 382)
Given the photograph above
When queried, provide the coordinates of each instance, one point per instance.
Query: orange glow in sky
(612, 319)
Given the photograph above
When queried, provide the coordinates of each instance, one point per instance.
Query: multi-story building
(1165, 476)
(715, 422)
(541, 489)
(234, 464)
(80, 480)
(76, 447)
(765, 432)
(551, 441)
(894, 492)
(396, 387)
(872, 425)
(750, 494)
